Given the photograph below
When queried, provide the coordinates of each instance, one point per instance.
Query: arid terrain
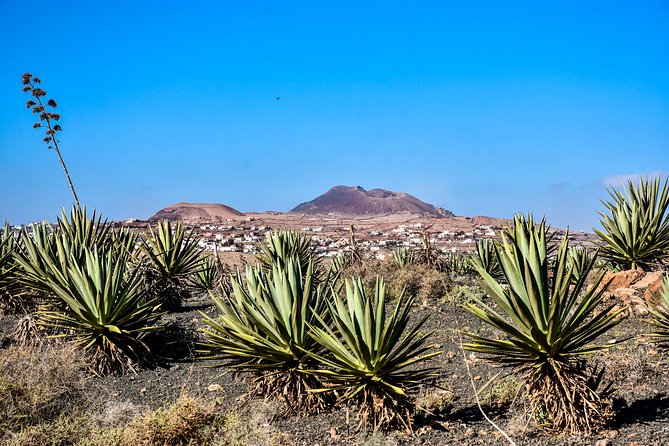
(55, 395)
(639, 372)
(379, 220)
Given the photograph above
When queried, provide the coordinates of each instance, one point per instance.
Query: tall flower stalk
(46, 118)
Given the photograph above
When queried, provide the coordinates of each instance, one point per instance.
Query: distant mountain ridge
(197, 212)
(356, 201)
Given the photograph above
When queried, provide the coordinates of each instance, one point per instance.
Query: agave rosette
(372, 359)
(174, 252)
(103, 309)
(635, 224)
(549, 322)
(659, 310)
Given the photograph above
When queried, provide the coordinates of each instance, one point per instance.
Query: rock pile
(634, 288)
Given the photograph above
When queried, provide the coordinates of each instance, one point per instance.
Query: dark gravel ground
(638, 371)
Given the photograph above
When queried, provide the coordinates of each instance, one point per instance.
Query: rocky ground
(637, 369)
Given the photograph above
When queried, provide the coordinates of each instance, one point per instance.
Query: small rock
(624, 293)
(603, 442)
(333, 432)
(214, 387)
(648, 280)
(654, 289)
(142, 390)
(470, 432)
(622, 279)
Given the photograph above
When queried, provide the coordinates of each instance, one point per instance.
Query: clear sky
(482, 107)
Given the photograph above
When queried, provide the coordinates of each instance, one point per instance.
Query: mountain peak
(197, 212)
(356, 201)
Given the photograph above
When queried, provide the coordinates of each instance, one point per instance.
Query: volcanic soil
(637, 370)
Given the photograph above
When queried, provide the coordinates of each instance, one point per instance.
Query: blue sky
(482, 107)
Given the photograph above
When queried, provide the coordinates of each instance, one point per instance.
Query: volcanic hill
(356, 201)
(197, 212)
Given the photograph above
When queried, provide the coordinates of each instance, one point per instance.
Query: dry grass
(422, 281)
(252, 426)
(189, 421)
(39, 384)
(435, 400)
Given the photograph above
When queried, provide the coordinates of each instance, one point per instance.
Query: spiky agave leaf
(279, 246)
(263, 328)
(456, 264)
(103, 309)
(549, 324)
(403, 257)
(47, 251)
(174, 259)
(10, 290)
(173, 252)
(486, 257)
(85, 232)
(206, 275)
(659, 310)
(579, 258)
(338, 264)
(368, 355)
(636, 224)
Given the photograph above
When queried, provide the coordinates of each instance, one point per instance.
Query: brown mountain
(356, 201)
(197, 212)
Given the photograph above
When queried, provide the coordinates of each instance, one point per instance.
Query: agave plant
(175, 256)
(403, 257)
(549, 326)
(338, 264)
(10, 299)
(456, 264)
(636, 225)
(263, 327)
(371, 358)
(486, 257)
(658, 307)
(578, 260)
(48, 251)
(103, 310)
(280, 246)
(206, 274)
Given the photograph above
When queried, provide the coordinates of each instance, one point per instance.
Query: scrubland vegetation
(92, 304)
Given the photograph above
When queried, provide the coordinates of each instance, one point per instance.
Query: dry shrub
(64, 431)
(368, 270)
(252, 426)
(434, 401)
(189, 421)
(118, 413)
(422, 281)
(39, 384)
(501, 391)
(26, 331)
(462, 294)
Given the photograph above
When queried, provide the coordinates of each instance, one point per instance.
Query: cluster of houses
(332, 242)
(335, 241)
